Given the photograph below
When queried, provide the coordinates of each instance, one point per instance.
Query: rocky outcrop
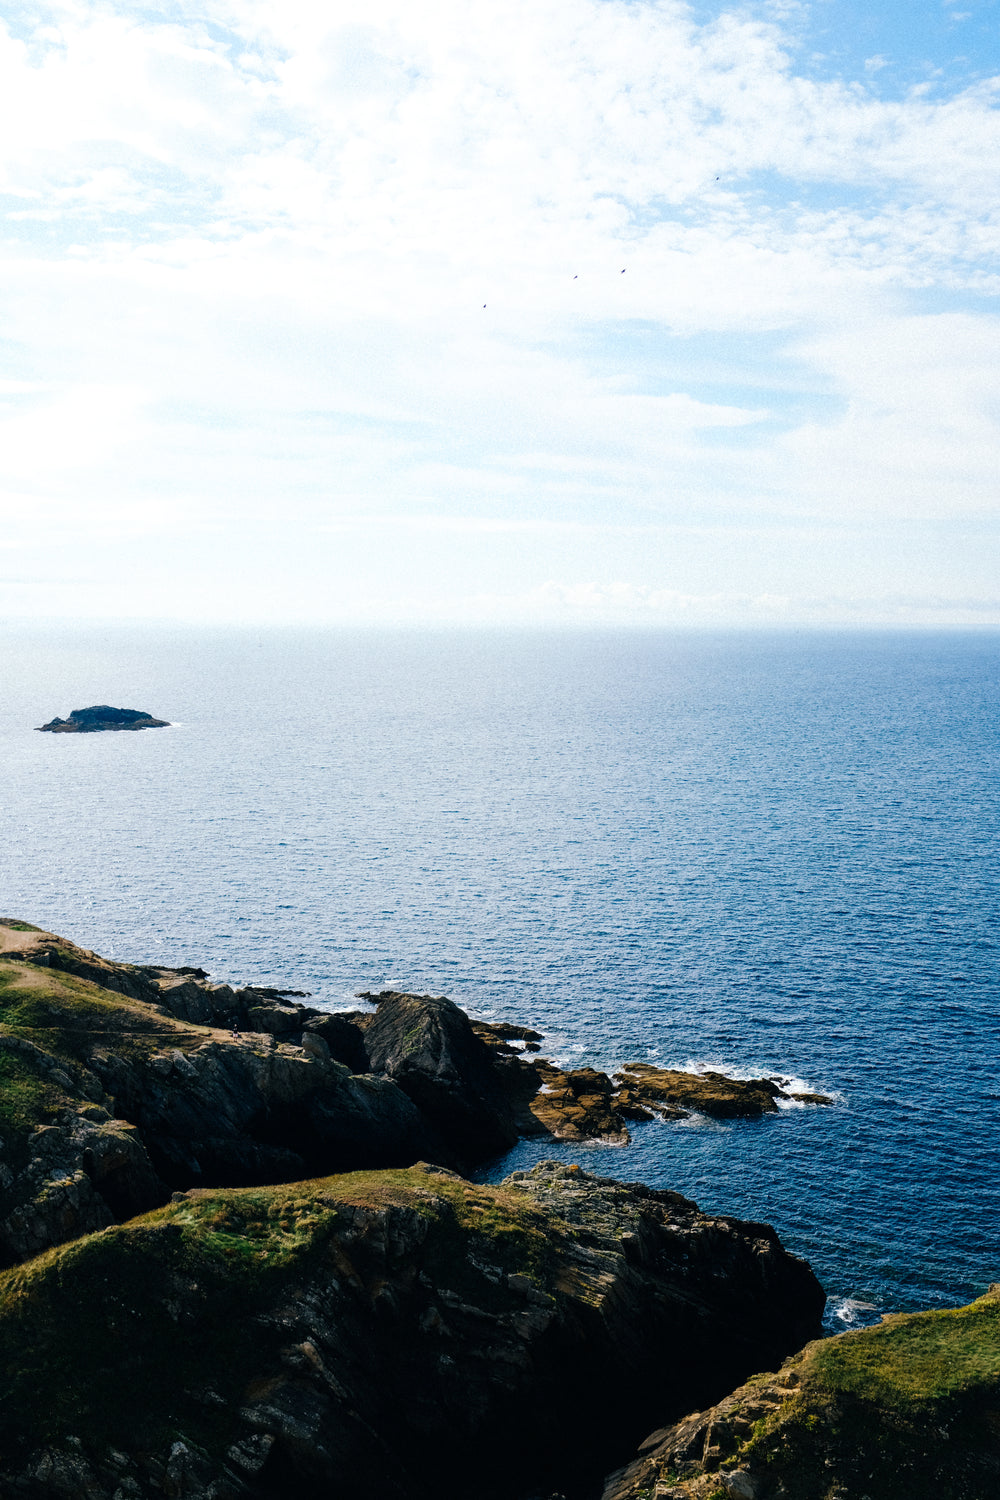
(575, 1106)
(584, 1104)
(109, 1101)
(909, 1408)
(101, 716)
(642, 1088)
(426, 1045)
(403, 1334)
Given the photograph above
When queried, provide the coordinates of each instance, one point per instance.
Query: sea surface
(762, 853)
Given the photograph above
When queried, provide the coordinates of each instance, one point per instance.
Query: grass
(68, 1015)
(915, 1359)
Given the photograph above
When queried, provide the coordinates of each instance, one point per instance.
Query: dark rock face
(258, 1111)
(101, 716)
(407, 1335)
(426, 1045)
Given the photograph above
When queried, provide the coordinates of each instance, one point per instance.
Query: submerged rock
(102, 716)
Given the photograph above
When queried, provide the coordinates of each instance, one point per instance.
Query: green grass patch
(914, 1359)
(13, 926)
(115, 1338)
(909, 1407)
(67, 1015)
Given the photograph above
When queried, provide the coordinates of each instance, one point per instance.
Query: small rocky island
(101, 716)
(242, 1262)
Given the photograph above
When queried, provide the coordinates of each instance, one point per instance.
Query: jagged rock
(908, 1408)
(499, 1034)
(426, 1045)
(204, 1004)
(395, 1334)
(576, 1105)
(101, 716)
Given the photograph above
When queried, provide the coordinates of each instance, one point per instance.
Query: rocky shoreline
(243, 1261)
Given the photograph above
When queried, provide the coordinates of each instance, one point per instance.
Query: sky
(575, 312)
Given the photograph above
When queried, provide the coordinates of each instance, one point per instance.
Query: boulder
(575, 1106)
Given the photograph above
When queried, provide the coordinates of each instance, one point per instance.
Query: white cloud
(249, 248)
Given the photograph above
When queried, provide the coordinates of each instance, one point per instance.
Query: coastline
(144, 1103)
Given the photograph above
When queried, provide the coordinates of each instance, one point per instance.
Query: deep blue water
(763, 853)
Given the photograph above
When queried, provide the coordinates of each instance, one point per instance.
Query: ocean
(766, 853)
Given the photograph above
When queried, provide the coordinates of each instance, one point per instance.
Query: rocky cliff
(194, 1306)
(125, 1082)
(404, 1334)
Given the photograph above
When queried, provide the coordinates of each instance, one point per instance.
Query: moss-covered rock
(402, 1333)
(908, 1410)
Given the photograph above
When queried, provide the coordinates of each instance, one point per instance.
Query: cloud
(485, 277)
